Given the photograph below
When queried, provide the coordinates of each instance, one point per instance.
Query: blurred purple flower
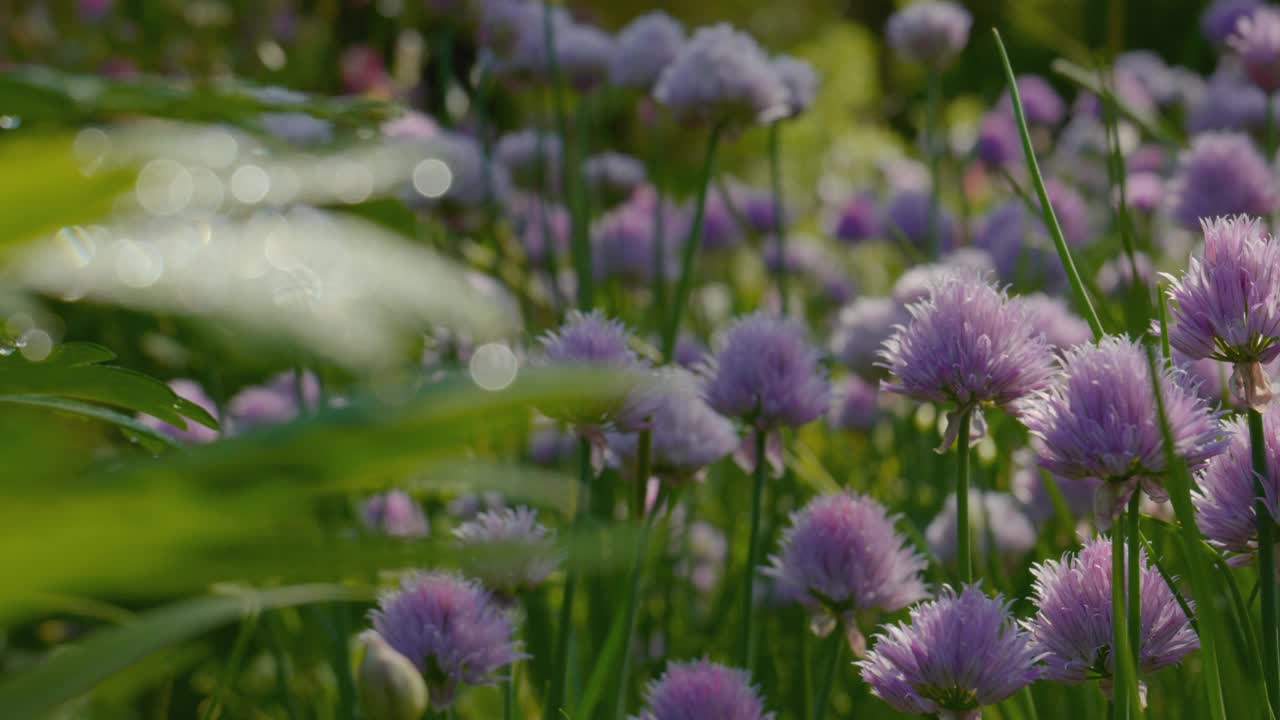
(275, 401)
(959, 653)
(858, 219)
(994, 517)
(918, 281)
(1221, 174)
(1040, 102)
(450, 628)
(394, 513)
(585, 55)
(1050, 315)
(644, 48)
(690, 352)
(1027, 485)
(722, 75)
(623, 248)
(1225, 497)
(94, 10)
(856, 405)
(550, 445)
(1144, 192)
(801, 81)
(1115, 276)
(1019, 247)
(767, 373)
(513, 552)
(1228, 102)
(719, 228)
(908, 217)
(686, 434)
(998, 143)
(612, 176)
(1071, 210)
(1219, 21)
(537, 221)
(931, 33)
(412, 126)
(593, 340)
(861, 328)
(1256, 41)
(701, 690)
(520, 151)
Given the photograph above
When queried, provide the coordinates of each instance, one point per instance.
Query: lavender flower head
(690, 352)
(1027, 485)
(719, 228)
(1115, 276)
(767, 373)
(758, 208)
(1040, 102)
(1100, 420)
(550, 445)
(1144, 192)
(592, 340)
(644, 48)
(520, 152)
(801, 81)
(514, 551)
(476, 179)
(1072, 626)
(623, 245)
(1256, 41)
(722, 75)
(1221, 174)
(861, 328)
(1219, 21)
(1050, 315)
(194, 432)
(1019, 246)
(998, 143)
(539, 221)
(1226, 306)
(394, 513)
(1071, 210)
(996, 525)
(931, 33)
(450, 629)
(908, 217)
(700, 690)
(687, 435)
(613, 176)
(842, 555)
(585, 54)
(856, 405)
(959, 653)
(968, 345)
(857, 220)
(1225, 498)
(918, 281)
(275, 401)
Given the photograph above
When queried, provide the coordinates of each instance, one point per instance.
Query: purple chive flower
(1226, 306)
(917, 282)
(798, 258)
(623, 245)
(612, 176)
(450, 628)
(394, 513)
(1100, 421)
(1144, 192)
(700, 555)
(644, 48)
(276, 401)
(1256, 41)
(585, 54)
(719, 228)
(194, 433)
(550, 445)
(856, 405)
(412, 126)
(998, 143)
(514, 29)
(1050, 315)
(1225, 498)
(1227, 102)
(520, 151)
(767, 373)
(931, 33)
(994, 516)
(842, 555)
(1219, 21)
(1115, 277)
(959, 653)
(861, 328)
(801, 81)
(1027, 485)
(514, 552)
(1072, 626)
(690, 352)
(1019, 246)
(701, 690)
(1148, 159)
(908, 218)
(592, 340)
(476, 179)
(757, 208)
(858, 219)
(536, 222)
(1221, 174)
(1071, 210)
(968, 345)
(837, 288)
(722, 75)
(686, 434)
(1040, 102)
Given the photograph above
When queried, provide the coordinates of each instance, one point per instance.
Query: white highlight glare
(493, 366)
(432, 178)
(250, 184)
(164, 187)
(36, 345)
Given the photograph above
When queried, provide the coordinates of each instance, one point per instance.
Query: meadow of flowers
(482, 359)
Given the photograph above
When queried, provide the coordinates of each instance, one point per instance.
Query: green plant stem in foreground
(1120, 678)
(749, 574)
(779, 221)
(838, 643)
(1266, 564)
(964, 553)
(1133, 540)
(560, 655)
(684, 284)
(933, 150)
(637, 570)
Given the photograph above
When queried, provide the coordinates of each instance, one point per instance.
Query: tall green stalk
(579, 208)
(560, 657)
(1050, 218)
(644, 445)
(964, 553)
(933, 130)
(509, 693)
(838, 642)
(753, 551)
(1120, 678)
(684, 284)
(779, 221)
(1266, 563)
(1133, 541)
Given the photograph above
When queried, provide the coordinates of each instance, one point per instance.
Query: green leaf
(75, 371)
(52, 190)
(69, 672)
(149, 435)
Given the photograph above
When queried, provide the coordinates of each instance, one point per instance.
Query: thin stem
(684, 285)
(964, 554)
(779, 222)
(933, 151)
(659, 246)
(281, 660)
(1051, 219)
(509, 693)
(1134, 599)
(633, 608)
(580, 210)
(560, 657)
(839, 642)
(1162, 314)
(1119, 623)
(213, 708)
(1266, 563)
(644, 445)
(749, 575)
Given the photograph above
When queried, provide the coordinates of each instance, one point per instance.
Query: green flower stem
(659, 237)
(838, 642)
(1050, 218)
(1133, 540)
(964, 553)
(753, 550)
(1120, 677)
(1266, 563)
(509, 693)
(579, 206)
(560, 656)
(780, 229)
(933, 131)
(637, 582)
(684, 284)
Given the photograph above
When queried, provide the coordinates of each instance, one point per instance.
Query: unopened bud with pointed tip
(391, 688)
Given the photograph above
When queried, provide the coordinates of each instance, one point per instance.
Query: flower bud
(391, 688)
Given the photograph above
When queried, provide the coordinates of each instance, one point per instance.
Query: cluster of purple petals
(919, 280)
(910, 216)
(394, 513)
(450, 628)
(275, 401)
(856, 405)
(858, 219)
(537, 220)
(1225, 498)
(861, 329)
(521, 151)
(996, 522)
(700, 690)
(959, 652)
(524, 550)
(801, 81)
(1020, 248)
(842, 553)
(1144, 192)
(593, 340)
(623, 245)
(722, 75)
(767, 373)
(1221, 174)
(998, 143)
(1115, 276)
(1041, 104)
(1256, 41)
(1219, 21)
(686, 434)
(1051, 317)
(931, 33)
(644, 48)
(613, 176)
(967, 344)
(1071, 630)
